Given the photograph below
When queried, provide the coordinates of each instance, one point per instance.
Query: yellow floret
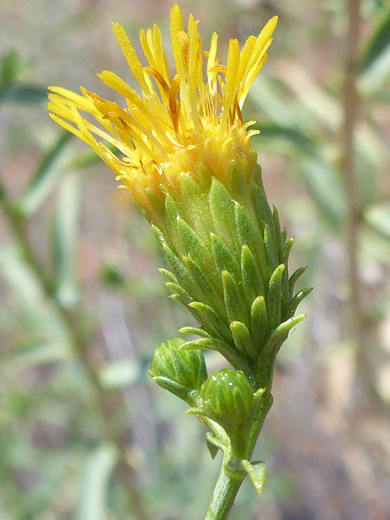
(181, 124)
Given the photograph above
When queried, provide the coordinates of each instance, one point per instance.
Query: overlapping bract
(229, 266)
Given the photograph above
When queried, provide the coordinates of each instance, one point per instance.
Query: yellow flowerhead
(190, 123)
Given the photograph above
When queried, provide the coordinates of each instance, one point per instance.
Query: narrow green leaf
(23, 94)
(94, 485)
(10, 67)
(65, 233)
(179, 298)
(242, 339)
(122, 374)
(378, 218)
(46, 175)
(285, 139)
(378, 41)
(327, 191)
(172, 386)
(158, 234)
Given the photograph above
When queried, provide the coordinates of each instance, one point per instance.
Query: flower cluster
(190, 123)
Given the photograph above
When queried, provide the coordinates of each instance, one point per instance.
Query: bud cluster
(229, 267)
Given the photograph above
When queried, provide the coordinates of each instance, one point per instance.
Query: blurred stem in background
(352, 224)
(80, 342)
(352, 105)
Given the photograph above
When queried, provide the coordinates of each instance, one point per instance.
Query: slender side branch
(351, 108)
(353, 218)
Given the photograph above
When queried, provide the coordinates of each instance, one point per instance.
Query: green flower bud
(229, 400)
(182, 372)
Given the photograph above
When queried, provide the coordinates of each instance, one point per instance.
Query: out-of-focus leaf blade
(326, 189)
(283, 139)
(46, 175)
(375, 59)
(378, 41)
(95, 481)
(23, 94)
(378, 217)
(37, 353)
(39, 320)
(121, 374)
(265, 94)
(9, 68)
(87, 158)
(65, 241)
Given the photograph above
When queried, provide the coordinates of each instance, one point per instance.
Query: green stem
(228, 483)
(224, 493)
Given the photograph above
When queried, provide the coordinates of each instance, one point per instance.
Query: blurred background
(84, 432)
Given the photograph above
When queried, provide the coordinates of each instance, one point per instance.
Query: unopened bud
(180, 372)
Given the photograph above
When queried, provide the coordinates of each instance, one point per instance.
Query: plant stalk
(224, 494)
(353, 219)
(228, 484)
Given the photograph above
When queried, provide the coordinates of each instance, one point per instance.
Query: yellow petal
(130, 55)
